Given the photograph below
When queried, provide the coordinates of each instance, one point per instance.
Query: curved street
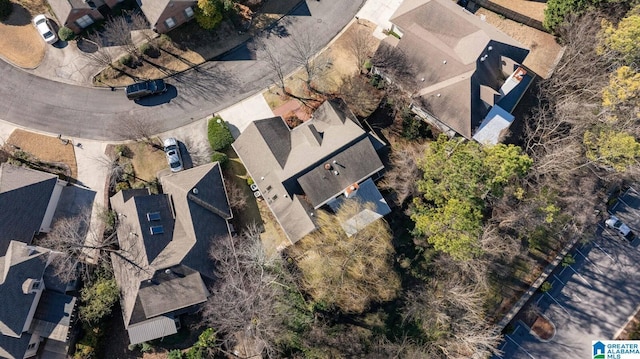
(73, 111)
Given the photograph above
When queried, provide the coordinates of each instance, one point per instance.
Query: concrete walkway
(379, 12)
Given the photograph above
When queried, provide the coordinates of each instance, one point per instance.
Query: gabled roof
(164, 272)
(24, 198)
(453, 53)
(277, 159)
(21, 266)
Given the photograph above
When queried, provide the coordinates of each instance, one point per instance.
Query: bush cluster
(220, 137)
(66, 34)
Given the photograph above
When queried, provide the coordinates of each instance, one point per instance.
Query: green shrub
(175, 354)
(220, 137)
(368, 65)
(126, 60)
(66, 34)
(122, 186)
(219, 157)
(250, 181)
(146, 347)
(123, 151)
(132, 347)
(545, 287)
(98, 298)
(146, 48)
(6, 8)
(195, 353)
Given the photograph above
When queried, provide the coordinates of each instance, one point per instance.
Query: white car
(44, 29)
(616, 224)
(172, 150)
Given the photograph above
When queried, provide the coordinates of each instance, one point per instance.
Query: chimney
(351, 191)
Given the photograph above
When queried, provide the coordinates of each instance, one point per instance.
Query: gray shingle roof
(14, 348)
(24, 197)
(332, 130)
(444, 45)
(353, 165)
(22, 265)
(147, 291)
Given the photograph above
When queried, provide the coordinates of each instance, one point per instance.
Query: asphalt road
(36, 103)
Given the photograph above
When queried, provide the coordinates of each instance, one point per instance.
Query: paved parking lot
(590, 300)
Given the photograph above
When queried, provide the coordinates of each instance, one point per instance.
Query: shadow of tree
(20, 16)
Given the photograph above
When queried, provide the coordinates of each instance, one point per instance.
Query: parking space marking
(558, 303)
(519, 347)
(590, 261)
(603, 251)
(559, 280)
(581, 277)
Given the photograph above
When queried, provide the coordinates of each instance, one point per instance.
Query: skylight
(156, 229)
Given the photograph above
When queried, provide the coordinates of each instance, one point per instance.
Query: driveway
(37, 103)
(590, 300)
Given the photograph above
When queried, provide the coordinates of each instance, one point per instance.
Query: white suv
(616, 224)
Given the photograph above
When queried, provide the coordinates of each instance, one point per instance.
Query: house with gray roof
(163, 15)
(464, 76)
(314, 164)
(164, 269)
(28, 200)
(33, 315)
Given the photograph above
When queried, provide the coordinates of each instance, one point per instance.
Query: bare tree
(394, 63)
(244, 303)
(275, 59)
(360, 95)
(348, 272)
(137, 128)
(401, 176)
(236, 195)
(304, 52)
(76, 241)
(360, 44)
(117, 31)
(103, 55)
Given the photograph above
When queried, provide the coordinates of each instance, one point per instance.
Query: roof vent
(327, 167)
(194, 190)
(490, 48)
(445, 61)
(167, 271)
(437, 95)
(335, 173)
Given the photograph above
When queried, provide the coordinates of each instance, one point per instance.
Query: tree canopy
(458, 178)
(208, 13)
(623, 38)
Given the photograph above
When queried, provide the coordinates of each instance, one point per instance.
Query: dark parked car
(146, 88)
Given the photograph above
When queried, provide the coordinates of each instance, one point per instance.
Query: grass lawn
(147, 161)
(19, 40)
(45, 148)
